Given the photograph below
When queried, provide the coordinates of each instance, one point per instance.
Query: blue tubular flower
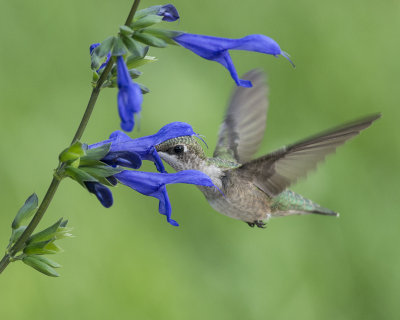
(101, 192)
(91, 48)
(129, 96)
(125, 159)
(145, 146)
(153, 184)
(216, 49)
(169, 13)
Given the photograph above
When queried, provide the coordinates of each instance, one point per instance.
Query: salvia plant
(99, 167)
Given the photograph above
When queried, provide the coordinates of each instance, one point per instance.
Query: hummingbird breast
(238, 199)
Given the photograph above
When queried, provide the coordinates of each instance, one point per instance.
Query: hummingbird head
(182, 153)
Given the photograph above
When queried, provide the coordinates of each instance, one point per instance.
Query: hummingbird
(254, 190)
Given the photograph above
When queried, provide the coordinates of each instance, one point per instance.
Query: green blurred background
(127, 262)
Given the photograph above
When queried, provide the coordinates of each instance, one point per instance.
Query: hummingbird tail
(289, 203)
(324, 211)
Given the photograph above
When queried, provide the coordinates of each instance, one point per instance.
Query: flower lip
(154, 185)
(102, 193)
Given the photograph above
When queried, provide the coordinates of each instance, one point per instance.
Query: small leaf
(46, 234)
(150, 40)
(44, 247)
(105, 47)
(38, 248)
(166, 35)
(47, 261)
(97, 153)
(16, 233)
(125, 30)
(135, 48)
(135, 63)
(143, 88)
(64, 223)
(41, 266)
(53, 247)
(101, 171)
(26, 211)
(77, 148)
(134, 73)
(95, 62)
(144, 12)
(72, 152)
(119, 48)
(146, 21)
(79, 175)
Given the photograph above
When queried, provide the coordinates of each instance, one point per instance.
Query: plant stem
(55, 182)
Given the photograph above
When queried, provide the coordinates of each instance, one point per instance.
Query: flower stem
(55, 182)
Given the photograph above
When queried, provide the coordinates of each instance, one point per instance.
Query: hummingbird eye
(179, 149)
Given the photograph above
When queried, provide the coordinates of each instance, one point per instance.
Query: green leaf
(125, 30)
(134, 73)
(135, 63)
(149, 40)
(135, 48)
(46, 234)
(53, 248)
(47, 261)
(97, 153)
(72, 152)
(143, 88)
(38, 248)
(26, 211)
(101, 171)
(119, 48)
(79, 175)
(44, 247)
(146, 21)
(166, 35)
(41, 266)
(16, 233)
(64, 223)
(144, 12)
(95, 62)
(105, 47)
(91, 163)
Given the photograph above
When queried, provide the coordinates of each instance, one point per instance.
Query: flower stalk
(56, 181)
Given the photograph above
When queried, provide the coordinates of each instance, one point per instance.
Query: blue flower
(101, 192)
(127, 159)
(169, 13)
(216, 49)
(144, 147)
(129, 153)
(91, 48)
(154, 184)
(129, 96)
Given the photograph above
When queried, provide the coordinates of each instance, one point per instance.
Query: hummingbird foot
(258, 223)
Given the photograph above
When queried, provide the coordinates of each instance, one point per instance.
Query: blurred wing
(241, 132)
(274, 172)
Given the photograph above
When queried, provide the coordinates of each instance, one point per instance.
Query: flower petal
(126, 159)
(153, 184)
(216, 49)
(169, 13)
(145, 146)
(102, 193)
(129, 96)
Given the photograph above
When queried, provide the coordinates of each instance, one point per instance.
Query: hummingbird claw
(258, 223)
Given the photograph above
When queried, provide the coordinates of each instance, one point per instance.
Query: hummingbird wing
(274, 172)
(241, 132)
